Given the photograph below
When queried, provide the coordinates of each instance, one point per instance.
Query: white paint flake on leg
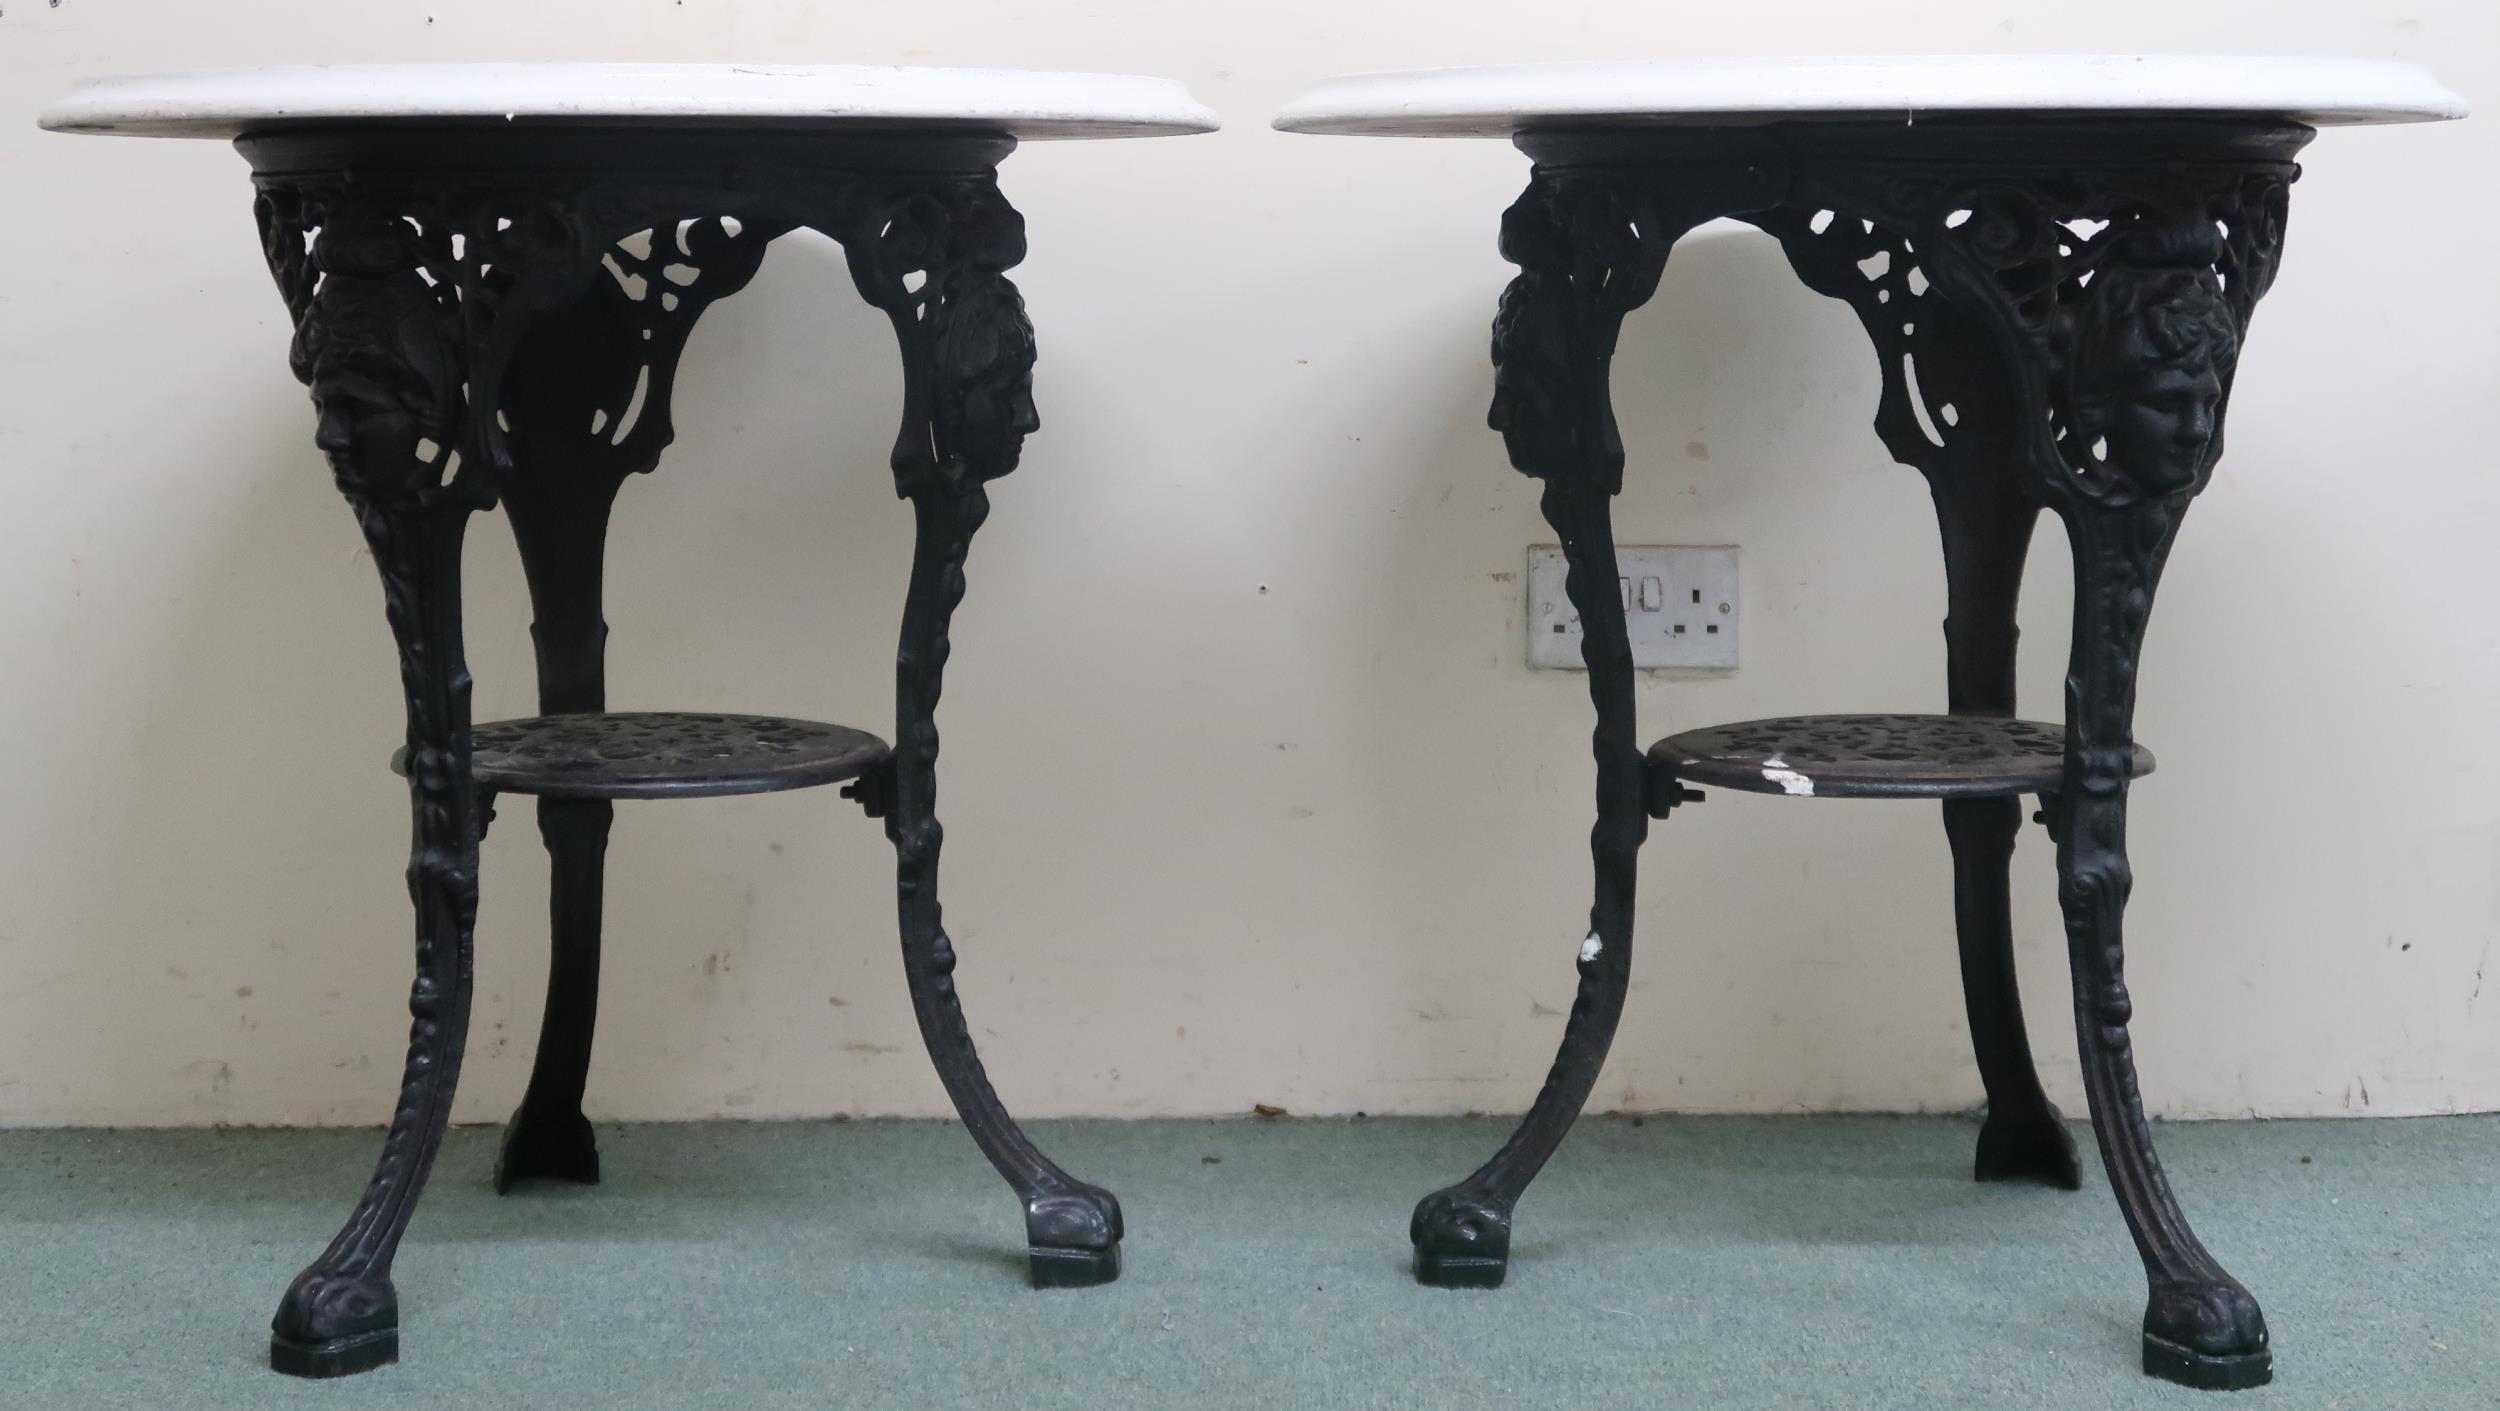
(1778, 772)
(1591, 948)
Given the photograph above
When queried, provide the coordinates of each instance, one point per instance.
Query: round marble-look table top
(225, 103)
(1501, 101)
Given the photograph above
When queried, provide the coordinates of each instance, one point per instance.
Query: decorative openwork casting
(2057, 306)
(497, 317)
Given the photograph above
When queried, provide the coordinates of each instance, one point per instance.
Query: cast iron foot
(2034, 1145)
(1074, 1238)
(329, 1326)
(2208, 1336)
(546, 1149)
(1460, 1242)
(1057, 1268)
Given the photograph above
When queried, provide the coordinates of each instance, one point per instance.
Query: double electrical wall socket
(1678, 603)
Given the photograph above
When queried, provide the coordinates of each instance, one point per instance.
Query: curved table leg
(934, 258)
(584, 364)
(2090, 289)
(1462, 1233)
(383, 385)
(2023, 1136)
(1590, 243)
(1987, 532)
(561, 526)
(2136, 373)
(1957, 422)
(547, 1138)
(2201, 1326)
(559, 518)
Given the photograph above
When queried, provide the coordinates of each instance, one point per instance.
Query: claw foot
(2033, 1144)
(1074, 1238)
(2209, 1336)
(539, 1148)
(1460, 1241)
(332, 1325)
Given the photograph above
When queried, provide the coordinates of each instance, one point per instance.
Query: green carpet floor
(1716, 1263)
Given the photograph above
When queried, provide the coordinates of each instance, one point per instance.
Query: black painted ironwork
(2057, 307)
(494, 313)
(663, 755)
(1875, 756)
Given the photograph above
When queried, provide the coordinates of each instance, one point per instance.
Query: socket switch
(1679, 605)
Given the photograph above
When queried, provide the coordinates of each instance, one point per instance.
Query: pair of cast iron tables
(493, 269)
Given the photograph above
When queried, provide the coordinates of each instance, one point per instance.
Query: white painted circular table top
(1497, 102)
(225, 103)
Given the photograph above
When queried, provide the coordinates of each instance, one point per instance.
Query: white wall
(1250, 797)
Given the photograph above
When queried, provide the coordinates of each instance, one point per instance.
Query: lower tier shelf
(663, 755)
(1875, 756)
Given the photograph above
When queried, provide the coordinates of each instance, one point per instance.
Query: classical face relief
(2161, 431)
(363, 426)
(1008, 403)
(374, 358)
(988, 360)
(2153, 346)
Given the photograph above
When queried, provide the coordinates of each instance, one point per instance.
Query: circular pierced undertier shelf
(663, 755)
(1876, 756)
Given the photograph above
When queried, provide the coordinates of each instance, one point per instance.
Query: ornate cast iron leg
(934, 258)
(377, 347)
(2121, 311)
(2091, 285)
(1590, 246)
(1945, 410)
(561, 537)
(408, 307)
(2201, 1327)
(548, 1138)
(1987, 531)
(559, 512)
(1461, 1233)
(575, 434)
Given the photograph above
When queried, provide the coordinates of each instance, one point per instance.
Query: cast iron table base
(487, 314)
(2057, 306)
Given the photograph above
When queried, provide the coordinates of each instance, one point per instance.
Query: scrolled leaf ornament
(1586, 258)
(2251, 220)
(936, 261)
(286, 243)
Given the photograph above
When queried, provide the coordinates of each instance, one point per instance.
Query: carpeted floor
(1713, 1263)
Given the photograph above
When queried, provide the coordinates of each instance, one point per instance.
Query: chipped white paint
(1778, 772)
(1591, 948)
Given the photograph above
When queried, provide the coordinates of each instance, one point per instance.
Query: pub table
(2056, 259)
(492, 270)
